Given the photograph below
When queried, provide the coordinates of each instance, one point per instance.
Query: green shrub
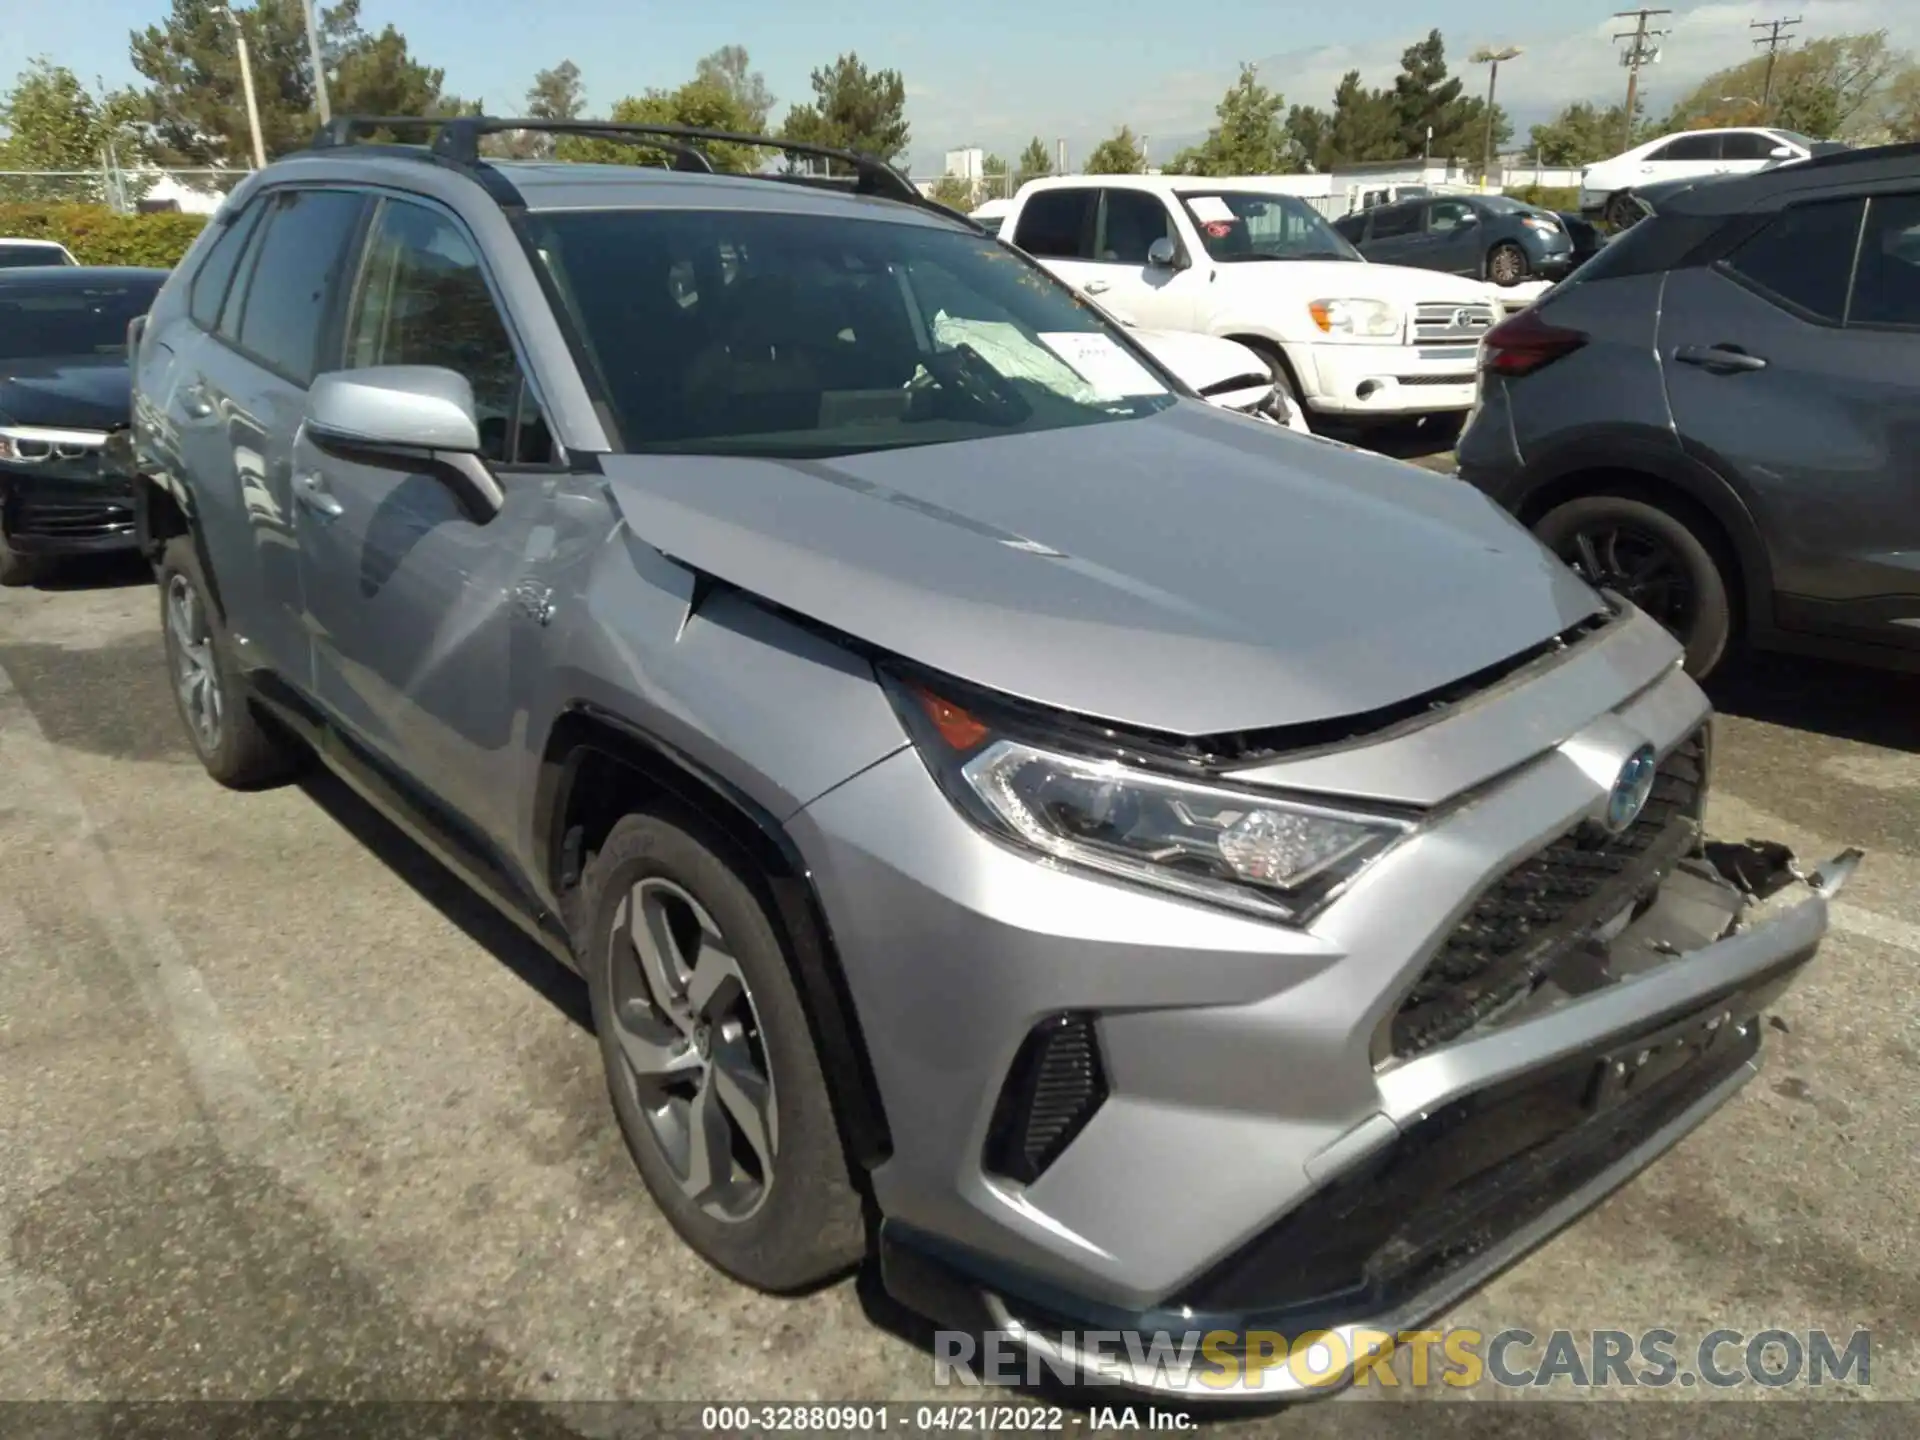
(1547, 197)
(99, 236)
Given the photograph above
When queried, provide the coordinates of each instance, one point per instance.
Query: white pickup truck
(1239, 259)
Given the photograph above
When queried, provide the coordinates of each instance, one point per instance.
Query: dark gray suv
(1719, 415)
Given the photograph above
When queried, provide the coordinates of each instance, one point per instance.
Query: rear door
(240, 400)
(1454, 237)
(1793, 366)
(1397, 233)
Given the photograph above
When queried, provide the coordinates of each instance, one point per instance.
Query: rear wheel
(1656, 560)
(1507, 264)
(710, 1060)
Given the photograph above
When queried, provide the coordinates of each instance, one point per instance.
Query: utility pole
(1641, 51)
(1491, 58)
(1774, 39)
(319, 66)
(246, 84)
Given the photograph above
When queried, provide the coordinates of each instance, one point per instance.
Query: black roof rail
(456, 141)
(1863, 154)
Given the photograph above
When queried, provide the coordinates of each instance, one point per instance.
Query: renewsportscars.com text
(1457, 1359)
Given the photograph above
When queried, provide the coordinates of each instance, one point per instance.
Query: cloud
(1558, 66)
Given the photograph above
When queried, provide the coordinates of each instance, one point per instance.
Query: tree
(1903, 105)
(1837, 87)
(698, 103)
(555, 94)
(1034, 162)
(194, 111)
(1426, 96)
(1118, 154)
(853, 108)
(727, 69)
(953, 191)
(1250, 137)
(1583, 133)
(54, 122)
(996, 181)
(1362, 126)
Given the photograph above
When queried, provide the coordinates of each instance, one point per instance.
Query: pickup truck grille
(1445, 323)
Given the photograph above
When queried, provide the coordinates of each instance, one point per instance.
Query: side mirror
(419, 416)
(1163, 254)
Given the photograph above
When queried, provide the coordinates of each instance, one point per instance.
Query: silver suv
(1137, 867)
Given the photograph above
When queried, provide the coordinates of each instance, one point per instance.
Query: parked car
(977, 781)
(1688, 155)
(1649, 196)
(1488, 237)
(16, 253)
(63, 398)
(1223, 373)
(1353, 341)
(1716, 417)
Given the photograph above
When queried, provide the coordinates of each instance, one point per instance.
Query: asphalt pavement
(285, 1112)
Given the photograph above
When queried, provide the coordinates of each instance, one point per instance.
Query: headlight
(1370, 319)
(1545, 227)
(1274, 856)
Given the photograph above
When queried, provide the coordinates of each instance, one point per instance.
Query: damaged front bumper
(1481, 1150)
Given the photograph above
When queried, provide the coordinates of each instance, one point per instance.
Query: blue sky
(993, 72)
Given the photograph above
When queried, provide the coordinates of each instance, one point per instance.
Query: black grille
(71, 520)
(1451, 1187)
(1548, 903)
(1052, 1091)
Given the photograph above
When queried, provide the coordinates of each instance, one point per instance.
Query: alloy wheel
(196, 679)
(693, 1049)
(1638, 564)
(1507, 266)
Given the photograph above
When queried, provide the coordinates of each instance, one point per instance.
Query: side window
(303, 255)
(1057, 224)
(1886, 288)
(210, 283)
(422, 299)
(1129, 224)
(1804, 257)
(1747, 145)
(1352, 227)
(1395, 220)
(1446, 216)
(1701, 146)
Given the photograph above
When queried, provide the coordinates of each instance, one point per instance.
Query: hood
(82, 392)
(1185, 572)
(1204, 361)
(1360, 280)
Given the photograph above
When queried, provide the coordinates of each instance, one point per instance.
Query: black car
(1719, 416)
(1491, 237)
(64, 398)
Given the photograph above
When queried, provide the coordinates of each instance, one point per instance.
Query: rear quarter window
(1802, 259)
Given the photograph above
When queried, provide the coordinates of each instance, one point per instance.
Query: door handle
(1096, 287)
(193, 400)
(311, 491)
(1723, 359)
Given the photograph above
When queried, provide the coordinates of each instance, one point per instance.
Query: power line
(1640, 51)
(1774, 39)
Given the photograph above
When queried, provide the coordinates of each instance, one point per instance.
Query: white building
(969, 164)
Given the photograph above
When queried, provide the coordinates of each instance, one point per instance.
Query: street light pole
(246, 84)
(319, 66)
(1491, 58)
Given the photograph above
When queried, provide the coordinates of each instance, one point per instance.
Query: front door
(1796, 367)
(414, 599)
(1160, 297)
(1455, 238)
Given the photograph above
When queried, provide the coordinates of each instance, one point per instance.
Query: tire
(1620, 212)
(785, 1216)
(236, 746)
(1687, 592)
(1282, 378)
(17, 569)
(1507, 264)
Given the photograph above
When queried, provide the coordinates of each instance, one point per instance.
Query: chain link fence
(127, 191)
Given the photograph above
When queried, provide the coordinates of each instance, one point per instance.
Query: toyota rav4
(1132, 866)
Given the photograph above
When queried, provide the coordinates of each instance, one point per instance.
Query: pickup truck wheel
(1282, 378)
(1654, 559)
(237, 747)
(711, 1062)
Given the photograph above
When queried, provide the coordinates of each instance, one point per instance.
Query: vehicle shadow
(451, 896)
(118, 570)
(1825, 697)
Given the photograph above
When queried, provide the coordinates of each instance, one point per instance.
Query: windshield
(41, 322)
(1239, 225)
(734, 332)
(14, 256)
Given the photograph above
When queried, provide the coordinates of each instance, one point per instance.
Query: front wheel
(1621, 212)
(17, 569)
(710, 1060)
(1654, 559)
(1507, 264)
